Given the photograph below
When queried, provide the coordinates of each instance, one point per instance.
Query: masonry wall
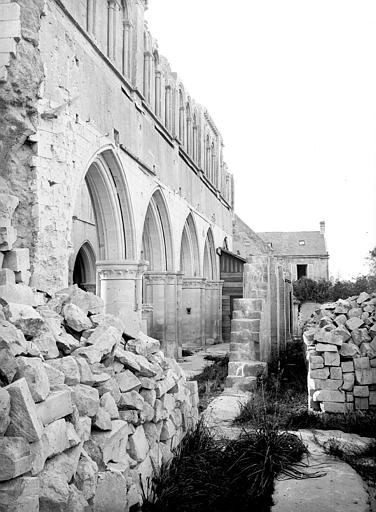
(75, 109)
(317, 268)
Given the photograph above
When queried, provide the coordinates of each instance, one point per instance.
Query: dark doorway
(84, 274)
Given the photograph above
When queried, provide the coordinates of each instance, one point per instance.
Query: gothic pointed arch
(210, 260)
(157, 246)
(189, 252)
(113, 216)
(84, 270)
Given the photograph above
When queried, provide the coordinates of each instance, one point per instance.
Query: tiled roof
(296, 243)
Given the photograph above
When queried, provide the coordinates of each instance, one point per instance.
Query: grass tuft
(211, 475)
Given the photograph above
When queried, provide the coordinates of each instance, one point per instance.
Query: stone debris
(340, 340)
(87, 414)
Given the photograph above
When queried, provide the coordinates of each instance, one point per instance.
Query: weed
(211, 381)
(214, 475)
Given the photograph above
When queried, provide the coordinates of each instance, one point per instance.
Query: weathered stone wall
(341, 355)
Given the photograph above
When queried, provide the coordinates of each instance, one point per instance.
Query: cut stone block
(24, 421)
(361, 363)
(333, 407)
(8, 237)
(57, 405)
(20, 495)
(15, 457)
(372, 398)
(102, 420)
(318, 384)
(76, 318)
(32, 369)
(143, 345)
(326, 395)
(55, 377)
(86, 475)
(354, 323)
(18, 294)
(4, 410)
(366, 376)
(322, 373)
(326, 347)
(165, 385)
(138, 446)
(111, 493)
(68, 365)
(348, 382)
(131, 400)
(316, 362)
(109, 446)
(331, 359)
(17, 259)
(127, 381)
(7, 277)
(86, 399)
(361, 391)
(107, 401)
(46, 344)
(336, 373)
(361, 403)
(347, 366)
(348, 350)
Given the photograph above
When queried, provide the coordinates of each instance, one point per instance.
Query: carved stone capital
(120, 270)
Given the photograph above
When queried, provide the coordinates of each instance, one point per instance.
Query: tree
(372, 261)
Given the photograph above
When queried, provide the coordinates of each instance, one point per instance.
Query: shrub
(308, 290)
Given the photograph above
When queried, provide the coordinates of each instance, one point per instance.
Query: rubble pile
(86, 414)
(341, 353)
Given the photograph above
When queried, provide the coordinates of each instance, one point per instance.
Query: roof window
(301, 242)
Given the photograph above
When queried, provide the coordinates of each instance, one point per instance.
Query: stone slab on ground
(339, 488)
(222, 411)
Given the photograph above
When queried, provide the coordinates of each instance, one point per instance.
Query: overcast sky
(291, 85)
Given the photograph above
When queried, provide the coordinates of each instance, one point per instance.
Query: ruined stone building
(120, 175)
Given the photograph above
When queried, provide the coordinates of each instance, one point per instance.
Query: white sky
(291, 85)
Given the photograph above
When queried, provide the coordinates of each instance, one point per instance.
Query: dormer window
(270, 245)
(301, 242)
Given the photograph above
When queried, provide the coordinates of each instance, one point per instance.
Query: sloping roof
(286, 243)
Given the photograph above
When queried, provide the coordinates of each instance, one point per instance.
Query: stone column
(111, 29)
(158, 93)
(147, 73)
(193, 312)
(213, 314)
(179, 310)
(91, 16)
(126, 47)
(162, 295)
(120, 286)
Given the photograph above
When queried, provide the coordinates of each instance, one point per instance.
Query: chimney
(322, 227)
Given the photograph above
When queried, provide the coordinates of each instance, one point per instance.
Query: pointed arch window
(112, 7)
(213, 164)
(147, 69)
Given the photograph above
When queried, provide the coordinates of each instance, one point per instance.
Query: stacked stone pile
(86, 413)
(341, 354)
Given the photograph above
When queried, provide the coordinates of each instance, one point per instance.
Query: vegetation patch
(219, 475)
(211, 381)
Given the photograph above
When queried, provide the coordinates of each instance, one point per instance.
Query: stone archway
(84, 270)
(160, 295)
(118, 275)
(189, 252)
(210, 259)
